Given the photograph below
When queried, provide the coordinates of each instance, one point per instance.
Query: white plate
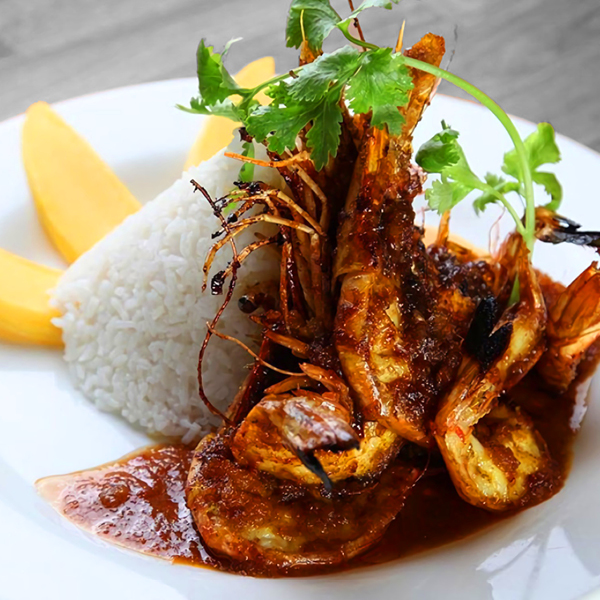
(551, 552)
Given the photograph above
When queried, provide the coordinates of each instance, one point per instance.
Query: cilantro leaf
(444, 195)
(541, 149)
(488, 197)
(316, 78)
(280, 125)
(440, 195)
(388, 114)
(314, 20)
(443, 154)
(550, 183)
(310, 19)
(364, 5)
(295, 105)
(380, 85)
(214, 81)
(439, 152)
(225, 109)
(323, 137)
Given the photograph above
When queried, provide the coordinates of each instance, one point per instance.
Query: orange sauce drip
(137, 502)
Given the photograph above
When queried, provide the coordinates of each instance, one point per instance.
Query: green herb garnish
(311, 20)
(443, 154)
(374, 81)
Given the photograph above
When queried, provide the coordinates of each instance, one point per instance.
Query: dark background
(540, 59)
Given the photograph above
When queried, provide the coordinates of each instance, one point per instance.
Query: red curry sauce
(139, 501)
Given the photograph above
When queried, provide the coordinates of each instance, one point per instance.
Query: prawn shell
(268, 526)
(258, 444)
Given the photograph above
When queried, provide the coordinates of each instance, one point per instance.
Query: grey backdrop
(539, 58)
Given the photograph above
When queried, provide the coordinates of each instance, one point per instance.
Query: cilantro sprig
(374, 81)
(313, 20)
(443, 155)
(541, 149)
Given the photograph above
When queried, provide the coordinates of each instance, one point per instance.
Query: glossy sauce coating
(435, 515)
(139, 501)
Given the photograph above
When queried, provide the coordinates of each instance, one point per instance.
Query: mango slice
(217, 132)
(24, 312)
(78, 198)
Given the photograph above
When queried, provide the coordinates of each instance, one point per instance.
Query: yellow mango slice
(78, 198)
(217, 132)
(24, 311)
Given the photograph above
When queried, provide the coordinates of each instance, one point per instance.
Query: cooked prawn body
(492, 450)
(306, 471)
(573, 328)
(272, 526)
(388, 302)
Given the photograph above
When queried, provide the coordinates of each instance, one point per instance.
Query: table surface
(540, 59)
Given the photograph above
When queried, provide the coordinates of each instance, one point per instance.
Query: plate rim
(175, 81)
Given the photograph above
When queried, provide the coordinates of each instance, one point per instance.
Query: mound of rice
(134, 315)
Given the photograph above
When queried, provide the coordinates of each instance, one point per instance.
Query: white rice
(134, 315)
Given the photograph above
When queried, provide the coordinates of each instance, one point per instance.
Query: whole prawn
(397, 341)
(316, 473)
(493, 453)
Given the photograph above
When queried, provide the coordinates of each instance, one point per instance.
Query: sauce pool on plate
(138, 502)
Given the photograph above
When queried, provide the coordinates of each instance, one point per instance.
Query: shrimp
(573, 327)
(295, 432)
(297, 423)
(272, 526)
(397, 347)
(305, 470)
(494, 455)
(281, 432)
(574, 312)
(308, 437)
